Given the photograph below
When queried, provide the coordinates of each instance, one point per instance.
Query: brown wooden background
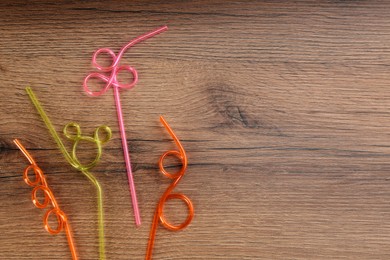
(283, 107)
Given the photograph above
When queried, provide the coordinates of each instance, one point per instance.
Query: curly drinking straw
(40, 184)
(168, 195)
(112, 81)
(75, 136)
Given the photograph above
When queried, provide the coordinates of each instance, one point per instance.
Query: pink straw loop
(114, 67)
(130, 69)
(96, 76)
(114, 59)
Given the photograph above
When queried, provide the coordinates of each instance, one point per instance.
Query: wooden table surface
(282, 106)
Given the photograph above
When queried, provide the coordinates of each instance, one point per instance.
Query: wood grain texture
(282, 106)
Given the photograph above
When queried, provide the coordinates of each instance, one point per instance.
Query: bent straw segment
(168, 195)
(74, 162)
(40, 183)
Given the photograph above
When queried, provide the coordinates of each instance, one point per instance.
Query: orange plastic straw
(40, 184)
(176, 177)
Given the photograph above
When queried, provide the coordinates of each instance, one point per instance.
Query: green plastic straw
(72, 159)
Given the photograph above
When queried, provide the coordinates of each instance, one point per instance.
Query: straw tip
(29, 91)
(17, 142)
(162, 120)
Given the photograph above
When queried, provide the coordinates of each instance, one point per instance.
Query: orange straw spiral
(176, 177)
(40, 184)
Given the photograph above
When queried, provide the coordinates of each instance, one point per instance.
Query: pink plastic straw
(112, 81)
